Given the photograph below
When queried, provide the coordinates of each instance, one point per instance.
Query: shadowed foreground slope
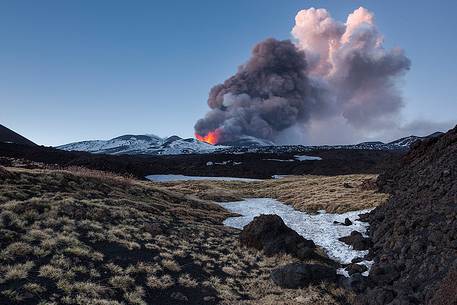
(88, 237)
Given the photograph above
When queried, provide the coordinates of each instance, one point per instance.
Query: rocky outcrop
(357, 241)
(356, 268)
(415, 233)
(347, 222)
(298, 275)
(270, 234)
(356, 282)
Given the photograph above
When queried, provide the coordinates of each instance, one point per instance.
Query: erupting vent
(211, 137)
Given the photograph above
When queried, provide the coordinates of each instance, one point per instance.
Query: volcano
(142, 145)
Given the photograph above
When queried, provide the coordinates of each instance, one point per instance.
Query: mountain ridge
(150, 144)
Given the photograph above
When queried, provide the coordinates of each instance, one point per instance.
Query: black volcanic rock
(347, 222)
(270, 234)
(9, 136)
(446, 292)
(356, 282)
(415, 232)
(297, 275)
(357, 241)
(356, 268)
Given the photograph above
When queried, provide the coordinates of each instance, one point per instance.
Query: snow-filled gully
(318, 227)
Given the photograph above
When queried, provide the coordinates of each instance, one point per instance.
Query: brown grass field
(78, 236)
(335, 194)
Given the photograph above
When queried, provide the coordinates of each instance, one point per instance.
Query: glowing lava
(212, 137)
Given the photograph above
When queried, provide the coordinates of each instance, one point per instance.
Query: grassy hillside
(335, 194)
(87, 237)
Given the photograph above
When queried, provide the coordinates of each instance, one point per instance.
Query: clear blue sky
(78, 70)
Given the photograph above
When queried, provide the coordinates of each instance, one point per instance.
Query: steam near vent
(333, 75)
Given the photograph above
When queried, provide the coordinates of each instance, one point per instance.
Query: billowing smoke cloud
(361, 74)
(335, 72)
(269, 93)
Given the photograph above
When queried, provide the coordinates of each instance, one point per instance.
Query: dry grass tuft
(171, 265)
(123, 282)
(16, 250)
(186, 280)
(15, 272)
(163, 282)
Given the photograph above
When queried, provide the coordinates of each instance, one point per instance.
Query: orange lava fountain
(212, 137)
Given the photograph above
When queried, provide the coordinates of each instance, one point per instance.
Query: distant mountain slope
(142, 145)
(174, 145)
(408, 141)
(9, 136)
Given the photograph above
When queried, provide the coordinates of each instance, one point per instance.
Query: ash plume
(269, 93)
(332, 72)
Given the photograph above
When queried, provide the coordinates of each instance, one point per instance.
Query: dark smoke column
(268, 94)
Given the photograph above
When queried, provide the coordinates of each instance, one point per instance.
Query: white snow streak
(297, 158)
(319, 228)
(307, 158)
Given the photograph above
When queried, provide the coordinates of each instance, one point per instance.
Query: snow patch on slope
(319, 227)
(307, 158)
(296, 158)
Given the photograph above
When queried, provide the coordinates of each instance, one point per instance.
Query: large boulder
(298, 275)
(270, 234)
(356, 268)
(357, 241)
